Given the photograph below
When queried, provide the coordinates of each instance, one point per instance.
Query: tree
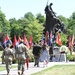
(29, 16)
(72, 16)
(64, 20)
(34, 29)
(27, 25)
(4, 24)
(40, 18)
(71, 27)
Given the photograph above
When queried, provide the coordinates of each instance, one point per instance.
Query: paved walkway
(33, 69)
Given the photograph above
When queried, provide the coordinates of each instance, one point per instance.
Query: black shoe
(37, 65)
(34, 64)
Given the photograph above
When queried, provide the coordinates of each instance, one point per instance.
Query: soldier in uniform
(7, 56)
(21, 54)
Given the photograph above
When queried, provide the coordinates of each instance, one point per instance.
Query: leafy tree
(40, 17)
(72, 16)
(4, 24)
(71, 27)
(64, 20)
(34, 29)
(29, 16)
(26, 26)
(64, 38)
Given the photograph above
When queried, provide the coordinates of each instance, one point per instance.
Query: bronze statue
(52, 21)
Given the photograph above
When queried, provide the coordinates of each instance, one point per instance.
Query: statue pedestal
(56, 53)
(62, 57)
(59, 56)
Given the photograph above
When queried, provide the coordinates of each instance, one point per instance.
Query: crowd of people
(41, 53)
(21, 53)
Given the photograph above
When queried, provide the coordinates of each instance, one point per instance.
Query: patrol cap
(22, 41)
(8, 44)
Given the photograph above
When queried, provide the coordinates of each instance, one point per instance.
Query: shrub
(31, 58)
(71, 57)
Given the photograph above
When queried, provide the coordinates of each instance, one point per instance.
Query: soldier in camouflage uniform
(21, 52)
(7, 56)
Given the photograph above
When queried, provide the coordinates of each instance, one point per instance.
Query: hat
(22, 41)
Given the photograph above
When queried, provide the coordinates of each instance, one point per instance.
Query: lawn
(4, 67)
(0, 55)
(58, 70)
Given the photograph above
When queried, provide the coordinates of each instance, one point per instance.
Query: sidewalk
(33, 69)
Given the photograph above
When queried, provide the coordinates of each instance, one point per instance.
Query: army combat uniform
(7, 56)
(21, 53)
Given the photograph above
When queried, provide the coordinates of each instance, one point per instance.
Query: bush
(31, 58)
(71, 57)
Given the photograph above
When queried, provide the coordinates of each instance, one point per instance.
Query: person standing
(51, 52)
(36, 53)
(7, 56)
(21, 53)
(45, 55)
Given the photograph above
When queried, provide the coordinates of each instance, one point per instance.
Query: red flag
(30, 41)
(15, 42)
(19, 39)
(6, 41)
(69, 42)
(47, 34)
(51, 35)
(73, 40)
(58, 40)
(50, 39)
(46, 37)
(26, 42)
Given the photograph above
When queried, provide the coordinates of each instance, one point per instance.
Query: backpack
(19, 50)
(20, 53)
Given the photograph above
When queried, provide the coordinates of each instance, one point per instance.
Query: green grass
(58, 70)
(0, 55)
(4, 67)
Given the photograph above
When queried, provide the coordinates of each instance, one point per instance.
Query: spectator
(36, 53)
(45, 55)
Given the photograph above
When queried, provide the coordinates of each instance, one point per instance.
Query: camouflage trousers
(8, 65)
(21, 65)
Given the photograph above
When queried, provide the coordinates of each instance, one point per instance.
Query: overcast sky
(17, 8)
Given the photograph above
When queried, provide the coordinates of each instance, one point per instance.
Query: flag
(19, 39)
(69, 42)
(42, 40)
(15, 42)
(58, 39)
(6, 41)
(26, 42)
(73, 40)
(30, 41)
(47, 37)
(50, 40)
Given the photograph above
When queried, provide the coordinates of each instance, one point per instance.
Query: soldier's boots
(18, 72)
(8, 73)
(23, 73)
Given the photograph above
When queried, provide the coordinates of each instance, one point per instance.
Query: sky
(18, 8)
